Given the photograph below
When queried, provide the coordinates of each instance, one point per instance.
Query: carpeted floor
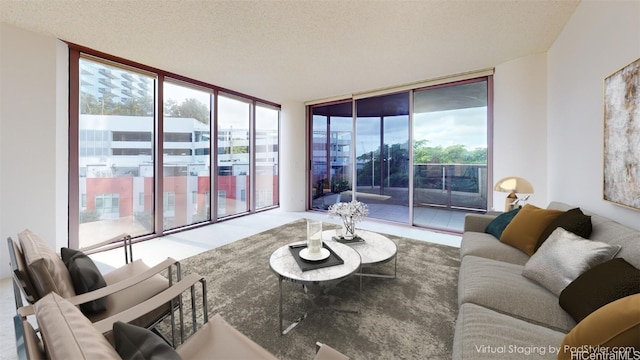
(410, 317)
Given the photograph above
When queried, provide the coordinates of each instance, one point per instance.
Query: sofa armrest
(478, 222)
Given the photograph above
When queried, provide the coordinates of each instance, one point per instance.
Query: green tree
(189, 108)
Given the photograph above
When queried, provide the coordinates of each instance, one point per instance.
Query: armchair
(38, 270)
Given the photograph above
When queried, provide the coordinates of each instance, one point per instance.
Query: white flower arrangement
(351, 213)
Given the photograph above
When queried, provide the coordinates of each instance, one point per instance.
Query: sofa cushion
(620, 318)
(500, 286)
(564, 257)
(487, 246)
(574, 221)
(497, 225)
(86, 277)
(482, 333)
(46, 269)
(67, 333)
(526, 227)
(598, 286)
(137, 343)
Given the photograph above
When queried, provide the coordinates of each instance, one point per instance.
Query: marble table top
(375, 248)
(283, 263)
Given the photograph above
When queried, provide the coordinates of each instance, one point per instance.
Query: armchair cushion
(219, 340)
(46, 269)
(21, 271)
(86, 277)
(67, 333)
(137, 343)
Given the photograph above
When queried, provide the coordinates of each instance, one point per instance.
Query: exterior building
(117, 168)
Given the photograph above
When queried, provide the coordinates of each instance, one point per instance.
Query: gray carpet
(410, 317)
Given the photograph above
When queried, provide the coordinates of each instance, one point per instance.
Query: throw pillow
(85, 277)
(620, 319)
(564, 257)
(497, 225)
(137, 343)
(526, 227)
(573, 220)
(599, 286)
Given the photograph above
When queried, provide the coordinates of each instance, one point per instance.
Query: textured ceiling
(302, 50)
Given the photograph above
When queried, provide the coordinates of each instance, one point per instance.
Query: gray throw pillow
(85, 277)
(137, 343)
(564, 257)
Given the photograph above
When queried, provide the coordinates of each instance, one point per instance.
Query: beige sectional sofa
(505, 315)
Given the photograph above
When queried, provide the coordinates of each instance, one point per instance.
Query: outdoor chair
(38, 270)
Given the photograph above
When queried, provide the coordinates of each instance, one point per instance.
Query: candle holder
(314, 236)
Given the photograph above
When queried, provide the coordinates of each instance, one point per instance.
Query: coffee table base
(384, 276)
(314, 307)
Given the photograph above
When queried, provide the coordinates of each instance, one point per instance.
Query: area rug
(409, 317)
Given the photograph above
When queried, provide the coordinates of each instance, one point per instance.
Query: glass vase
(348, 228)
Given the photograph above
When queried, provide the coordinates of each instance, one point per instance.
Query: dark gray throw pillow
(497, 225)
(574, 221)
(85, 277)
(598, 286)
(137, 343)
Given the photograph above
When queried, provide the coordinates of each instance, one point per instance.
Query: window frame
(76, 52)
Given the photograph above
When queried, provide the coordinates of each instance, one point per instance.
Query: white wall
(33, 137)
(599, 39)
(292, 157)
(520, 125)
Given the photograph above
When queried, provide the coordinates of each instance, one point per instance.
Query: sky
(440, 128)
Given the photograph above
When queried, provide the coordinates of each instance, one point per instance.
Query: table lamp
(513, 185)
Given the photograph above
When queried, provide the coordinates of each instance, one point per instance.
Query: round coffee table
(375, 249)
(284, 265)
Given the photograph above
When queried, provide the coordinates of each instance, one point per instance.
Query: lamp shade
(514, 184)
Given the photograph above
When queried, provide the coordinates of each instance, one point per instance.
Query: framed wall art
(622, 136)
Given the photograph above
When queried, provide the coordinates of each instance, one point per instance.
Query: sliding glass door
(418, 156)
(449, 153)
(331, 165)
(382, 156)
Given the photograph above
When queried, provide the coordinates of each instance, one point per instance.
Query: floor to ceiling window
(233, 155)
(115, 151)
(419, 156)
(331, 165)
(449, 153)
(186, 156)
(382, 155)
(266, 156)
(142, 151)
